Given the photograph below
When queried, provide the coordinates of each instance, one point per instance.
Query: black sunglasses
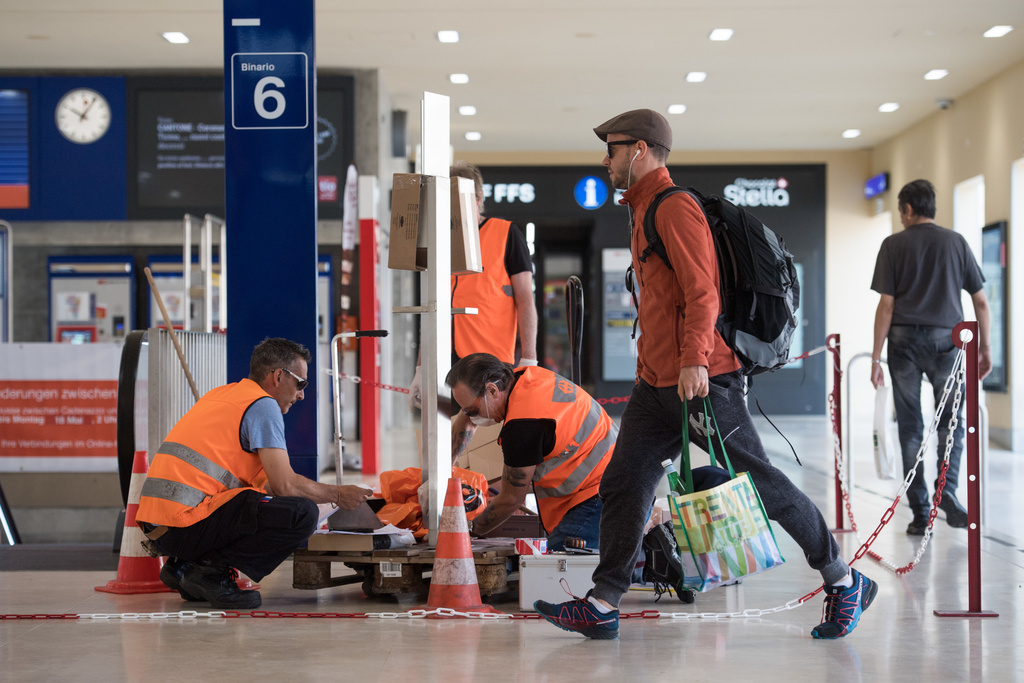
(619, 142)
(300, 383)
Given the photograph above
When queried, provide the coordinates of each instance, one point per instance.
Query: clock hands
(85, 112)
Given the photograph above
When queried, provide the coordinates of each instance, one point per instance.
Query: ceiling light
(936, 74)
(721, 34)
(459, 79)
(888, 107)
(696, 77)
(851, 133)
(473, 136)
(997, 31)
(176, 37)
(467, 110)
(676, 108)
(448, 36)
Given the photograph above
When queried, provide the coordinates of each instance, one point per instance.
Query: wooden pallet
(406, 571)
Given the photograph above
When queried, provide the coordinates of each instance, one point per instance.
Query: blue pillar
(270, 149)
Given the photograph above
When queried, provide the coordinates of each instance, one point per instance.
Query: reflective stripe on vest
(184, 494)
(201, 463)
(583, 469)
(174, 491)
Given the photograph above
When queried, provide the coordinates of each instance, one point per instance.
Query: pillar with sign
(270, 161)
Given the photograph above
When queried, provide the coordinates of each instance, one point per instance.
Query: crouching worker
(221, 493)
(555, 437)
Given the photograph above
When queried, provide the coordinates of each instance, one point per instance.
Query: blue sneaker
(581, 616)
(843, 606)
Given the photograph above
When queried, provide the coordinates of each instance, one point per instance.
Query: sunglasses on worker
(611, 145)
(300, 383)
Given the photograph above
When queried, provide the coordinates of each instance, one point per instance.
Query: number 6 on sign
(261, 96)
(270, 90)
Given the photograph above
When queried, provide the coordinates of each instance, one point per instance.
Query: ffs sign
(269, 90)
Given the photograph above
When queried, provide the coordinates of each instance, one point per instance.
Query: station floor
(899, 637)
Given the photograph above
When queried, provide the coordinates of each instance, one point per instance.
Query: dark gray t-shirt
(924, 268)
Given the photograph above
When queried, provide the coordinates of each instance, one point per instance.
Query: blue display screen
(876, 185)
(13, 149)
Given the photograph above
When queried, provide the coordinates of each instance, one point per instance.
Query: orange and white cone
(453, 582)
(137, 572)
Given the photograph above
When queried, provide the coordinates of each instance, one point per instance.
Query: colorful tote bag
(723, 532)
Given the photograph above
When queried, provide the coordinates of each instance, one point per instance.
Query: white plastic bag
(888, 457)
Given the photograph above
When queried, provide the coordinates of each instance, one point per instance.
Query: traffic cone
(453, 582)
(137, 572)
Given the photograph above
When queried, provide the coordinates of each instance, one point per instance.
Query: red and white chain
(956, 378)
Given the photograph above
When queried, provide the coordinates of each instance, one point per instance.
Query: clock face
(83, 116)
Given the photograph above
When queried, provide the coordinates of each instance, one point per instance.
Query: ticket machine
(92, 298)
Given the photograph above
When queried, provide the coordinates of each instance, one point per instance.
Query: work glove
(415, 389)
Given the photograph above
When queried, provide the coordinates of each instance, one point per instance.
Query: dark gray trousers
(651, 431)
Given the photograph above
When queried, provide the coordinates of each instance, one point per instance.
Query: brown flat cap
(643, 124)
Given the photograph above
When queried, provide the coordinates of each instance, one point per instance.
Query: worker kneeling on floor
(556, 438)
(221, 494)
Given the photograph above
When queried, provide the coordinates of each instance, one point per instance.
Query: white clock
(83, 116)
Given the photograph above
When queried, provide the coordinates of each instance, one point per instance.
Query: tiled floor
(899, 637)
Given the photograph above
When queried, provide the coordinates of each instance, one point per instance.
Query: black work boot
(662, 568)
(171, 574)
(216, 584)
(956, 515)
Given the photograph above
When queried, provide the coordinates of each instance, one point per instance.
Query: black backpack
(758, 288)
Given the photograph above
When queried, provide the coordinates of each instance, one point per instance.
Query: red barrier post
(837, 420)
(369, 319)
(971, 447)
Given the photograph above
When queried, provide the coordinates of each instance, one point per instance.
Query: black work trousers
(252, 532)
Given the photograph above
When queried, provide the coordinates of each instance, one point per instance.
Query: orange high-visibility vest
(493, 329)
(201, 464)
(584, 440)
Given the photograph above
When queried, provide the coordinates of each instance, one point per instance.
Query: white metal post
(436, 297)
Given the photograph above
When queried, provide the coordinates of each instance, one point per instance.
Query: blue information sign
(270, 194)
(269, 90)
(591, 192)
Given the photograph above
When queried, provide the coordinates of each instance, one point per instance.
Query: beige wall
(981, 134)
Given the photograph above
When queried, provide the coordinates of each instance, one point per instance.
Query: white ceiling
(796, 74)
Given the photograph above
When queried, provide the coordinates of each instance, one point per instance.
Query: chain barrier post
(973, 475)
(832, 342)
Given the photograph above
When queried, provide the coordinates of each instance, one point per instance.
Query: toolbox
(540, 577)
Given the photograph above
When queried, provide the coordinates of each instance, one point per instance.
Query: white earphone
(636, 155)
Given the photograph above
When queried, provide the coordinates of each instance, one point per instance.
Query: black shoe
(216, 584)
(956, 515)
(171, 574)
(917, 527)
(662, 568)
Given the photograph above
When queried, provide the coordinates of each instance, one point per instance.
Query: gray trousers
(651, 431)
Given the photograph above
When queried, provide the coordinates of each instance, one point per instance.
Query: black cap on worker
(642, 124)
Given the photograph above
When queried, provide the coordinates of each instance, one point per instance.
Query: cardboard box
(466, 256)
(410, 195)
(540, 577)
(325, 540)
(412, 199)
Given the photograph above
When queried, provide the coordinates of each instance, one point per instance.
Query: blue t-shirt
(262, 426)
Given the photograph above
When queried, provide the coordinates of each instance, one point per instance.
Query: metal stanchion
(832, 343)
(966, 334)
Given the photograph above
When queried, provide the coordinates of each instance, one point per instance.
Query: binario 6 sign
(269, 90)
